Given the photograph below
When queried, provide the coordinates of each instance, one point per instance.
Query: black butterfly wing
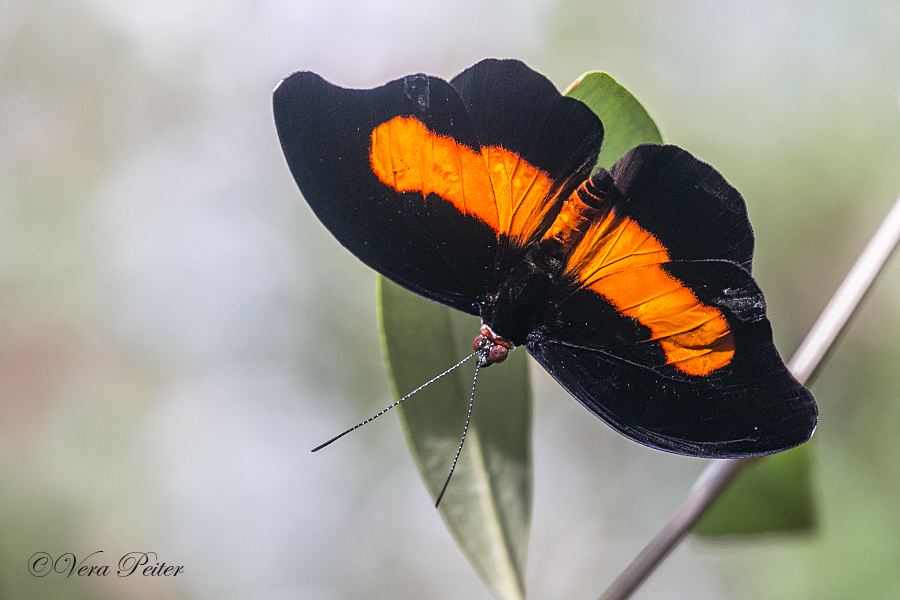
(665, 337)
(401, 177)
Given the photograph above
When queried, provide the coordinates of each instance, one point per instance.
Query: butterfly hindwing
(750, 406)
(757, 410)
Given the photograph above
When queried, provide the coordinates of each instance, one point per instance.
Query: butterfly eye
(478, 342)
(498, 354)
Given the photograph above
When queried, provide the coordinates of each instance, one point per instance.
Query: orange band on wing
(493, 184)
(695, 337)
(620, 260)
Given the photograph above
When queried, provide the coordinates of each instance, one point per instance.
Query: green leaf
(772, 496)
(487, 505)
(626, 123)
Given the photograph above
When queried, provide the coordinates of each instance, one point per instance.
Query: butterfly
(632, 287)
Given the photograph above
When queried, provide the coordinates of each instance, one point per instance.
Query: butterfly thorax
(538, 283)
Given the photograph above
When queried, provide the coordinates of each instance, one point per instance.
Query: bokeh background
(177, 330)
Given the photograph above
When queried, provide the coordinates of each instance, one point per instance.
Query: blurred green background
(177, 330)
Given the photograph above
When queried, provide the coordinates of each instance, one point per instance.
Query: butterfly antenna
(463, 440)
(370, 419)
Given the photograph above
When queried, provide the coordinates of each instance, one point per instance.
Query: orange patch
(493, 185)
(621, 261)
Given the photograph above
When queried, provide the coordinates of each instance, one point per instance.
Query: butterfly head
(491, 348)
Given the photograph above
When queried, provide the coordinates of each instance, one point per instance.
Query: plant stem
(719, 474)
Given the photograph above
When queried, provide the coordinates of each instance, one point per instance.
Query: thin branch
(846, 299)
(806, 360)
